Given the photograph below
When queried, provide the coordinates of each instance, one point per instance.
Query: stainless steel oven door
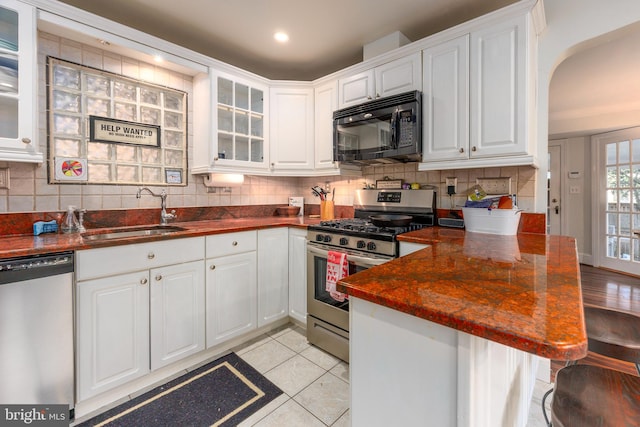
(319, 303)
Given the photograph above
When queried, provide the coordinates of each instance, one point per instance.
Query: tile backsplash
(29, 190)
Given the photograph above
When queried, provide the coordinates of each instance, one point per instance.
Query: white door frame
(557, 177)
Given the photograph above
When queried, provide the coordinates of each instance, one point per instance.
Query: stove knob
(319, 238)
(344, 241)
(361, 244)
(371, 246)
(327, 238)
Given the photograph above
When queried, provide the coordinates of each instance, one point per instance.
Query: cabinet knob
(461, 150)
(212, 267)
(158, 277)
(473, 148)
(369, 97)
(26, 140)
(215, 159)
(377, 95)
(151, 255)
(234, 243)
(143, 281)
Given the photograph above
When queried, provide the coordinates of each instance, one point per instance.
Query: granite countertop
(26, 244)
(522, 291)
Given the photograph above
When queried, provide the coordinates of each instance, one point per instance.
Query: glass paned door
(619, 168)
(9, 45)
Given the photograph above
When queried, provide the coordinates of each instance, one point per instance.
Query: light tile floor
(315, 384)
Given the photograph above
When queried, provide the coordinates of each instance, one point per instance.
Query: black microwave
(380, 131)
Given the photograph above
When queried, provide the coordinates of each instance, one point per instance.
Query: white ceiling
(325, 35)
(598, 88)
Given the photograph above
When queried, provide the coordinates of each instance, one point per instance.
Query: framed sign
(103, 129)
(173, 176)
(70, 169)
(383, 184)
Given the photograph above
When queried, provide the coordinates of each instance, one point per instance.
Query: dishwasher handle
(35, 267)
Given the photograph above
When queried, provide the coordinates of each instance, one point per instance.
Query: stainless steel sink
(153, 230)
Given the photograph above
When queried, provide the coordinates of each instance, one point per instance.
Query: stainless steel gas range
(366, 245)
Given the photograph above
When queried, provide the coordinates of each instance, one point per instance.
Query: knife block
(327, 210)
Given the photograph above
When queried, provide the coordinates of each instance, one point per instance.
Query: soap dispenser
(70, 222)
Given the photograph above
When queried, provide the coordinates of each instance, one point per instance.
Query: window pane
(624, 176)
(257, 101)
(636, 250)
(225, 146)
(242, 96)
(625, 248)
(623, 152)
(242, 148)
(612, 200)
(612, 247)
(612, 177)
(225, 91)
(8, 118)
(635, 151)
(612, 159)
(625, 224)
(8, 29)
(612, 223)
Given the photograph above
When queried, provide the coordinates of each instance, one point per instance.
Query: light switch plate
(501, 185)
(4, 178)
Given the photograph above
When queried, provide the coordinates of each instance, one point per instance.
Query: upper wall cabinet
(230, 124)
(325, 102)
(18, 104)
(400, 75)
(291, 121)
(478, 98)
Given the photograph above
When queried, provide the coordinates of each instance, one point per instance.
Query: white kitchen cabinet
(477, 96)
(325, 103)
(446, 100)
(398, 76)
(231, 286)
(292, 132)
(177, 312)
(112, 332)
(230, 124)
(273, 276)
(125, 329)
(298, 275)
(18, 103)
(499, 75)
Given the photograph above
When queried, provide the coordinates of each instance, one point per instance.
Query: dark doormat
(221, 393)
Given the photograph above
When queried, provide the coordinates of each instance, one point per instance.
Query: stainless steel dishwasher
(36, 330)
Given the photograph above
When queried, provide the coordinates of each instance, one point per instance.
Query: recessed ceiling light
(282, 37)
(157, 58)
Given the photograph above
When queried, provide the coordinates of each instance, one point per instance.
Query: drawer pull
(158, 277)
(473, 148)
(212, 267)
(461, 150)
(143, 281)
(151, 255)
(235, 243)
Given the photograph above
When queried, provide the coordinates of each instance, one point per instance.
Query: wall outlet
(4, 178)
(495, 185)
(452, 185)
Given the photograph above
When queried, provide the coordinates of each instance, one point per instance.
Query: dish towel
(337, 268)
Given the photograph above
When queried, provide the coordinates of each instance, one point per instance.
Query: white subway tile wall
(29, 190)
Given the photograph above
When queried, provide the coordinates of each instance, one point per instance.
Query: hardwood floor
(604, 288)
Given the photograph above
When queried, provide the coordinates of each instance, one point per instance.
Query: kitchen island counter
(522, 291)
(449, 334)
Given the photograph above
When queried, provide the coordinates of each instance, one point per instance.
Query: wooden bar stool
(588, 395)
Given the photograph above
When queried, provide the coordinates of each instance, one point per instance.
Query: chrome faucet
(164, 216)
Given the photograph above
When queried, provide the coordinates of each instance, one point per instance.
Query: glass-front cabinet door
(18, 104)
(240, 113)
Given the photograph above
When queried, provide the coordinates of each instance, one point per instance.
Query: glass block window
(76, 92)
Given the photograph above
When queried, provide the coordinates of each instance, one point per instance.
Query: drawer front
(102, 262)
(231, 243)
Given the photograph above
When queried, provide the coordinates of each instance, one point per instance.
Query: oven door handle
(359, 260)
